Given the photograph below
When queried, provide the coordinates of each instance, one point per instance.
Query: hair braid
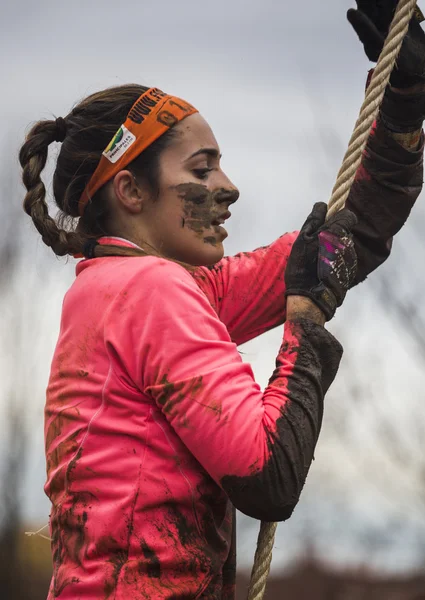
(33, 157)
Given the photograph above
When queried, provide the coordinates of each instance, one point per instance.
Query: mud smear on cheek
(197, 204)
(210, 239)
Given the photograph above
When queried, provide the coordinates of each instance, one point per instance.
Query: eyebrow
(209, 151)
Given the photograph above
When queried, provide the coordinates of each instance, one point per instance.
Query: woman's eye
(202, 173)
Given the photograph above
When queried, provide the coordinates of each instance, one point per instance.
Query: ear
(128, 192)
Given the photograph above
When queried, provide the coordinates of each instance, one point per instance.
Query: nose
(227, 191)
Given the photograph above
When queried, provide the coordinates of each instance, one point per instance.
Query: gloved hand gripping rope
(388, 30)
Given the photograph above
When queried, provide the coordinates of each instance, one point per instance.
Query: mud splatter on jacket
(155, 428)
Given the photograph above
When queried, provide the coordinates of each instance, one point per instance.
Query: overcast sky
(281, 84)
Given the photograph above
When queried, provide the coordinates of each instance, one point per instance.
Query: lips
(221, 218)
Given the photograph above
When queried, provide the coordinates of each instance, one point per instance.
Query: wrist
(301, 307)
(403, 112)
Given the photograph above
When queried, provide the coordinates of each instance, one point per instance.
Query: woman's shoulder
(119, 269)
(122, 283)
(134, 276)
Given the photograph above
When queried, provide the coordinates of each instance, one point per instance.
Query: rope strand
(38, 533)
(351, 162)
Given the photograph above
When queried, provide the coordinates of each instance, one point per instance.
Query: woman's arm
(391, 176)
(386, 187)
(257, 446)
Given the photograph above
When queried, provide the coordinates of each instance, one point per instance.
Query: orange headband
(151, 116)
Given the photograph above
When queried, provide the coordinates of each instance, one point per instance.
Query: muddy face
(184, 221)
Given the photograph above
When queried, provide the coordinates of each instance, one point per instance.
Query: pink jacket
(156, 429)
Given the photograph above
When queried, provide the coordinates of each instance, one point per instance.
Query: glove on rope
(371, 21)
(323, 261)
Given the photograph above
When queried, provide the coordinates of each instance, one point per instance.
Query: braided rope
(262, 561)
(351, 162)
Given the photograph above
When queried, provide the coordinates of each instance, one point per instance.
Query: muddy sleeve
(387, 185)
(247, 290)
(257, 446)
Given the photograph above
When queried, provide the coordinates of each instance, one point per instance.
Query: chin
(206, 256)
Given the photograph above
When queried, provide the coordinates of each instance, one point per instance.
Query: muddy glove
(323, 262)
(371, 21)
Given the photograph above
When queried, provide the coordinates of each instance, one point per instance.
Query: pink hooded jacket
(155, 428)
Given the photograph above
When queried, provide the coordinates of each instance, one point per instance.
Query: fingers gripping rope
(350, 164)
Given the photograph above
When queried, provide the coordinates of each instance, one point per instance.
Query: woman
(155, 429)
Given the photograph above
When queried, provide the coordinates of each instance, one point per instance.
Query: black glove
(323, 262)
(372, 21)
(401, 113)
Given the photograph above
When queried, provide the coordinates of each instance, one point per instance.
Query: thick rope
(262, 561)
(350, 164)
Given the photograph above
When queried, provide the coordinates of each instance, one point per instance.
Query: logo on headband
(119, 144)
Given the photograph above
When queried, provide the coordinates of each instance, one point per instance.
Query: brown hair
(85, 132)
